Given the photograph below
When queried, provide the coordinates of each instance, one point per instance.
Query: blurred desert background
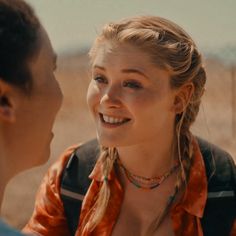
(74, 23)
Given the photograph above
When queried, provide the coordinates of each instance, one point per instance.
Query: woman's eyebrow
(127, 71)
(99, 67)
(134, 71)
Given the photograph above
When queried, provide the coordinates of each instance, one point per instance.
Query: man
(30, 97)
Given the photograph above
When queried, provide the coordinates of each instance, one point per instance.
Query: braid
(107, 158)
(183, 123)
(185, 154)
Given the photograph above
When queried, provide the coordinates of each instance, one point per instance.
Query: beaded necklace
(144, 182)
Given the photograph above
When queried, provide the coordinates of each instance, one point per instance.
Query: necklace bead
(146, 182)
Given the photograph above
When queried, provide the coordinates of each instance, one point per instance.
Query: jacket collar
(195, 196)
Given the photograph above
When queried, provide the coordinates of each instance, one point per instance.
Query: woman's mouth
(111, 120)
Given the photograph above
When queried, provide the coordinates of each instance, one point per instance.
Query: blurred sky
(72, 24)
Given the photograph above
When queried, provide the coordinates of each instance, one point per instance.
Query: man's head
(29, 94)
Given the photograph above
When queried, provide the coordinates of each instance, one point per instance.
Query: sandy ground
(74, 125)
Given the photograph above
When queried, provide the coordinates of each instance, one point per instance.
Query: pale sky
(72, 24)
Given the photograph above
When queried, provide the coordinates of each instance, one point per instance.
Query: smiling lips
(113, 120)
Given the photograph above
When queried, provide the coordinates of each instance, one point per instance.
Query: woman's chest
(144, 213)
(132, 226)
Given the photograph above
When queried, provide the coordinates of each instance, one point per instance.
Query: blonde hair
(172, 49)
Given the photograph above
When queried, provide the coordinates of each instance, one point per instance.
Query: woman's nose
(111, 97)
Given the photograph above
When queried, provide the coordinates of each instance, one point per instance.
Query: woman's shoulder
(219, 213)
(60, 163)
(219, 164)
(211, 150)
(83, 153)
(79, 158)
(80, 164)
(55, 171)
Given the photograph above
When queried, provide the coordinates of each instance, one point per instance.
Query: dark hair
(19, 42)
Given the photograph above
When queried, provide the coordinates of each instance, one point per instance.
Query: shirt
(49, 218)
(189, 209)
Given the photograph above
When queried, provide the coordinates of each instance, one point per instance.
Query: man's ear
(7, 108)
(182, 97)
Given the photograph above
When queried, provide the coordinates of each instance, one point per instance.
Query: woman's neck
(148, 159)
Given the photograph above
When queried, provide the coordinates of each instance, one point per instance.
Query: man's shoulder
(7, 230)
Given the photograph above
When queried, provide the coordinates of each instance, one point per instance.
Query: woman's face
(29, 136)
(129, 97)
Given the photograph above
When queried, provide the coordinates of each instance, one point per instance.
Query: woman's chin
(106, 142)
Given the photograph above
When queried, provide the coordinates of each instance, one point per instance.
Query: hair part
(172, 49)
(19, 42)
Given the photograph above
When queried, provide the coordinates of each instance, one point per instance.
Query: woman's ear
(7, 109)
(182, 97)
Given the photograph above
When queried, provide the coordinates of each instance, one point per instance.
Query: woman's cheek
(93, 95)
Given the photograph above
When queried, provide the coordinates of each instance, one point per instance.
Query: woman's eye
(100, 79)
(132, 84)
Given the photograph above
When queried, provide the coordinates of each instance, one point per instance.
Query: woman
(150, 179)
(30, 96)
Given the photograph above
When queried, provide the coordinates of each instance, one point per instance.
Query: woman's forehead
(117, 54)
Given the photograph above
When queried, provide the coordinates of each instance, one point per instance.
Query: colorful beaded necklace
(144, 182)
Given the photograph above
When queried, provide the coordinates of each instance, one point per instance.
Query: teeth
(112, 120)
